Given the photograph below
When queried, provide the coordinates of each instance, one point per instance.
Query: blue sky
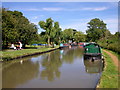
(69, 14)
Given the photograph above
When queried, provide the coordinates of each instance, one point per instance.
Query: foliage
(48, 26)
(16, 27)
(52, 30)
(57, 31)
(110, 42)
(79, 37)
(68, 34)
(96, 29)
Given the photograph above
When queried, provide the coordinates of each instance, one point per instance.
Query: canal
(65, 68)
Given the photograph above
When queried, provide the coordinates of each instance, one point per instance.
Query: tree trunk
(48, 41)
(23, 46)
(6, 45)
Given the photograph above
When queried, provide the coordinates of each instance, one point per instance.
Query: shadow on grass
(30, 48)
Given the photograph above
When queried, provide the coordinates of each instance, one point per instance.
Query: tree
(48, 26)
(43, 38)
(68, 34)
(9, 32)
(16, 27)
(96, 29)
(57, 29)
(79, 36)
(52, 30)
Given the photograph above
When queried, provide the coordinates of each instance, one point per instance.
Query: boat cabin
(92, 50)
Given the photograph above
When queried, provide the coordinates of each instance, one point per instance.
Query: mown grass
(9, 54)
(109, 78)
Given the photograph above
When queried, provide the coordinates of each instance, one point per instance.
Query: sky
(74, 15)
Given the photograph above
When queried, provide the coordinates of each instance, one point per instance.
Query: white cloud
(95, 9)
(64, 9)
(36, 17)
(36, 23)
(78, 24)
(112, 24)
(81, 25)
(52, 9)
(43, 9)
(32, 9)
(100, 9)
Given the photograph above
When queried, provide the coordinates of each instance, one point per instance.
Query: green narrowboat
(92, 51)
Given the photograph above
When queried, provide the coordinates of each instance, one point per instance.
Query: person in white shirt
(12, 46)
(20, 45)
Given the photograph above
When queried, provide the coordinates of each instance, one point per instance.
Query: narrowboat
(63, 45)
(81, 45)
(92, 51)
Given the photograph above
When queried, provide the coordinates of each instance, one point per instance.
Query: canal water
(65, 68)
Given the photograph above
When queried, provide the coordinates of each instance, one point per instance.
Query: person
(12, 46)
(20, 45)
(15, 48)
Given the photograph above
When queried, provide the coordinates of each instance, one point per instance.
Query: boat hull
(92, 56)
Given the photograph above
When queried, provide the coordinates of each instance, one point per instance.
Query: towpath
(114, 58)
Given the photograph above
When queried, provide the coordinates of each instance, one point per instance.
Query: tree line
(16, 27)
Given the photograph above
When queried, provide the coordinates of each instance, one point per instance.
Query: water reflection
(93, 67)
(51, 64)
(61, 68)
(70, 54)
(19, 74)
(54, 60)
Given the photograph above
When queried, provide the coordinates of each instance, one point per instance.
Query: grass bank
(109, 78)
(12, 54)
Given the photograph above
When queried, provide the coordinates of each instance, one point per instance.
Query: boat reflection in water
(93, 67)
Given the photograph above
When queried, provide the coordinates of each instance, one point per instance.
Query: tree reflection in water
(18, 74)
(51, 64)
(54, 60)
(71, 54)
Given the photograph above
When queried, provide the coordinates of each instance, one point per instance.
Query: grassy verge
(9, 54)
(109, 78)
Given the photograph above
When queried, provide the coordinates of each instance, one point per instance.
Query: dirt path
(114, 58)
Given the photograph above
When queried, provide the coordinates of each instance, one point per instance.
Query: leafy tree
(48, 26)
(16, 27)
(52, 30)
(57, 29)
(68, 34)
(110, 41)
(79, 36)
(9, 32)
(96, 29)
(43, 38)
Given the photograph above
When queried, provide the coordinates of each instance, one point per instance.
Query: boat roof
(91, 45)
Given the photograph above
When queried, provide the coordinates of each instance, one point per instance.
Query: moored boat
(81, 45)
(92, 51)
(63, 45)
